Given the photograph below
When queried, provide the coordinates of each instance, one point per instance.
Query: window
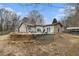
(48, 29)
(38, 30)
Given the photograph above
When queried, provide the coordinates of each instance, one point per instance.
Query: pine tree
(54, 20)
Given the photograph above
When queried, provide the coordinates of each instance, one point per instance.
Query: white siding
(39, 29)
(33, 30)
(49, 29)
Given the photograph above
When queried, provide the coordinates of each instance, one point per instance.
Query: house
(40, 29)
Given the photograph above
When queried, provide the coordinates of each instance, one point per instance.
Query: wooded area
(9, 19)
(72, 15)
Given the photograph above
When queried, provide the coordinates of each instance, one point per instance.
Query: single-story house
(40, 29)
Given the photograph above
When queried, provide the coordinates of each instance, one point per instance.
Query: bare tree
(36, 18)
(72, 15)
(8, 19)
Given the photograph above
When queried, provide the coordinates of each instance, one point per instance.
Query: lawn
(59, 44)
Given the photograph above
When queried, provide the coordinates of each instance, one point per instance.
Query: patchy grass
(45, 45)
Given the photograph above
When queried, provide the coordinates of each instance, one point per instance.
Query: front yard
(63, 44)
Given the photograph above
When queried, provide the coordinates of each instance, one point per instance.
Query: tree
(54, 20)
(8, 19)
(72, 18)
(26, 20)
(35, 18)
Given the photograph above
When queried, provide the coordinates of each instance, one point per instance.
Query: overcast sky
(49, 11)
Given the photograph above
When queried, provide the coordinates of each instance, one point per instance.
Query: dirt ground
(23, 45)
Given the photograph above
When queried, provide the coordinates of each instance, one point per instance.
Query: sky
(49, 11)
